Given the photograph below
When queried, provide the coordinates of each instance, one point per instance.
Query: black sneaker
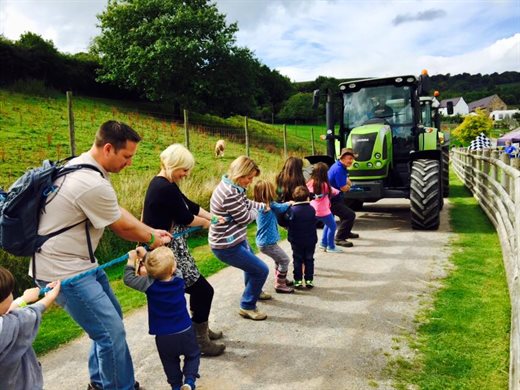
(344, 243)
(353, 235)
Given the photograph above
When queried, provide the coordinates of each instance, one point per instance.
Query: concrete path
(335, 336)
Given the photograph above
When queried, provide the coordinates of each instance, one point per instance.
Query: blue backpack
(22, 205)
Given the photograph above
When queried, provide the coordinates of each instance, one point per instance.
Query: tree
(298, 108)
(165, 49)
(473, 125)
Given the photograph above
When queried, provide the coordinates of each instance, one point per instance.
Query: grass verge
(462, 341)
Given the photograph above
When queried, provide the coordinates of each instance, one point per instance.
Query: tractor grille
(363, 144)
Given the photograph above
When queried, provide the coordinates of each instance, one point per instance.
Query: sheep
(219, 148)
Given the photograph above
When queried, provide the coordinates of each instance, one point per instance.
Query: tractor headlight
(379, 164)
(370, 165)
(377, 155)
(356, 165)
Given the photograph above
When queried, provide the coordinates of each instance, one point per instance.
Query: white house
(460, 107)
(499, 115)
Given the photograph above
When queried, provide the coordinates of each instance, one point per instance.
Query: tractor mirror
(449, 108)
(315, 99)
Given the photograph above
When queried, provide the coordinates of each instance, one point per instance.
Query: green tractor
(398, 151)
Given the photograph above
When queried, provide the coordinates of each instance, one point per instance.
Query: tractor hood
(365, 139)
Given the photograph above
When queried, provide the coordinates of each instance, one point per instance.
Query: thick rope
(121, 259)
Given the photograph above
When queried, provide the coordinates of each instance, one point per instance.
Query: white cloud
(339, 38)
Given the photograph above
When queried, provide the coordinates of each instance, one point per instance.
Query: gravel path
(335, 336)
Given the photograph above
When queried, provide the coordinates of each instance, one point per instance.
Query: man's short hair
(160, 262)
(6, 283)
(301, 194)
(115, 133)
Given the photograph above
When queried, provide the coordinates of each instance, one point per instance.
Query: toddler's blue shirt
(267, 225)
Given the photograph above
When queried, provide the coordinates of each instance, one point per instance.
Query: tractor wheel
(445, 172)
(425, 197)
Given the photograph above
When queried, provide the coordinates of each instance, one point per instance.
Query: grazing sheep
(219, 148)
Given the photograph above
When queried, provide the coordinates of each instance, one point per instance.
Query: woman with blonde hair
(228, 241)
(166, 206)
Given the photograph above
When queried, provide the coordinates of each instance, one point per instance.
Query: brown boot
(214, 335)
(280, 283)
(207, 347)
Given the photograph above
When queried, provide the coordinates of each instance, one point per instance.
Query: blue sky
(304, 39)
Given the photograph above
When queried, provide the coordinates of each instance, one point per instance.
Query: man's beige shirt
(83, 194)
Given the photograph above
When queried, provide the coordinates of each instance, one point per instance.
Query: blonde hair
(242, 166)
(264, 191)
(160, 263)
(174, 157)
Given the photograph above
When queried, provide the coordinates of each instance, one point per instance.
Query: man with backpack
(85, 200)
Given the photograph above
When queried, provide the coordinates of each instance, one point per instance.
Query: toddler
(19, 323)
(323, 191)
(168, 317)
(302, 236)
(267, 235)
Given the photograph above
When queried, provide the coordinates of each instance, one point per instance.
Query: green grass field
(462, 340)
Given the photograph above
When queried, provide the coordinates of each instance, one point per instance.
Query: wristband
(214, 219)
(152, 240)
(20, 302)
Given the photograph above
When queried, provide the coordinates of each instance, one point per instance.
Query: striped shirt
(229, 201)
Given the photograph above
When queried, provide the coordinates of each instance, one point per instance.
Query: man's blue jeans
(255, 271)
(91, 302)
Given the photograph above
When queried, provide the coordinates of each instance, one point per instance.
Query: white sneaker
(322, 247)
(334, 250)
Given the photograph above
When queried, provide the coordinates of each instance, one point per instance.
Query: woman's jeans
(91, 302)
(255, 271)
(329, 230)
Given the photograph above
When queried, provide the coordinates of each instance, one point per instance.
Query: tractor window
(386, 102)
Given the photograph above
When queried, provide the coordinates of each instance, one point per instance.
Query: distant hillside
(471, 87)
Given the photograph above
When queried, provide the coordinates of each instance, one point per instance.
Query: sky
(304, 39)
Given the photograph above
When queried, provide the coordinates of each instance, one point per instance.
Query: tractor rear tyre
(425, 196)
(445, 172)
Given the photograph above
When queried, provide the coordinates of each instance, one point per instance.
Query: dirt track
(332, 337)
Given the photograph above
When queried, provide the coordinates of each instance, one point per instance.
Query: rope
(120, 259)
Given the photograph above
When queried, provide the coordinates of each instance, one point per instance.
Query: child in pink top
(323, 191)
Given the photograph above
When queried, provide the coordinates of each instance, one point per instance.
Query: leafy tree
(165, 49)
(298, 108)
(37, 44)
(473, 125)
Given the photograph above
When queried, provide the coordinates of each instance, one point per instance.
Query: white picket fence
(494, 180)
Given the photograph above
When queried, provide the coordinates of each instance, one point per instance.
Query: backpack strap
(63, 172)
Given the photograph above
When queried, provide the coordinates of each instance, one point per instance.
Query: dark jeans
(346, 218)
(201, 296)
(171, 347)
(303, 258)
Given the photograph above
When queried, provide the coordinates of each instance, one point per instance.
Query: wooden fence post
(504, 178)
(246, 130)
(72, 133)
(285, 141)
(186, 131)
(313, 151)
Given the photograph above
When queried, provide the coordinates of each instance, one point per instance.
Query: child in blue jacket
(267, 235)
(168, 317)
(303, 237)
